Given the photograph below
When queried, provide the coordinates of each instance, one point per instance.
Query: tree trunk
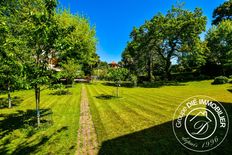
(37, 99)
(149, 65)
(117, 93)
(9, 97)
(167, 70)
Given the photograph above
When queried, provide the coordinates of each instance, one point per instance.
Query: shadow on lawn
(156, 84)
(159, 140)
(15, 102)
(27, 148)
(21, 119)
(105, 97)
(229, 90)
(25, 123)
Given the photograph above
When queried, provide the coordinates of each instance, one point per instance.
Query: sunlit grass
(58, 131)
(139, 109)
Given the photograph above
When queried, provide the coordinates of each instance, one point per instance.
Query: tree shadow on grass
(15, 101)
(27, 148)
(21, 119)
(25, 122)
(156, 84)
(229, 90)
(159, 140)
(105, 97)
(159, 84)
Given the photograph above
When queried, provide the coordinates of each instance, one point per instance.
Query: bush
(220, 80)
(61, 92)
(133, 79)
(57, 86)
(59, 89)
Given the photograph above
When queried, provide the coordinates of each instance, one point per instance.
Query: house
(113, 65)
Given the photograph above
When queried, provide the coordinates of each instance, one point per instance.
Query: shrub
(220, 80)
(57, 86)
(59, 89)
(134, 80)
(61, 92)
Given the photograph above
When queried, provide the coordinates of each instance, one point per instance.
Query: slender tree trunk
(37, 98)
(149, 70)
(9, 97)
(117, 89)
(167, 70)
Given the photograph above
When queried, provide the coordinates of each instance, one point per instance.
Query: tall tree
(166, 37)
(41, 33)
(79, 42)
(10, 46)
(219, 42)
(222, 12)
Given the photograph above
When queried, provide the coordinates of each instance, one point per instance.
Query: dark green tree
(10, 46)
(222, 12)
(219, 42)
(164, 38)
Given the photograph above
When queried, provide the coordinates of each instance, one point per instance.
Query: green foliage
(220, 80)
(101, 70)
(56, 86)
(61, 92)
(134, 79)
(219, 42)
(222, 12)
(71, 70)
(163, 38)
(78, 40)
(117, 74)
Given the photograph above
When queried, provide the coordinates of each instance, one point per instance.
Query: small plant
(220, 80)
(59, 89)
(57, 86)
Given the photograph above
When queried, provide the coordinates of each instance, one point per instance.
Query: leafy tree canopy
(222, 12)
(219, 41)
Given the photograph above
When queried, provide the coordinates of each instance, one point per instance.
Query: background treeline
(169, 47)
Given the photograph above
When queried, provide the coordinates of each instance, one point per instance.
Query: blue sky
(114, 19)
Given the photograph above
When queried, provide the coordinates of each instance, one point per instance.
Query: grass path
(87, 138)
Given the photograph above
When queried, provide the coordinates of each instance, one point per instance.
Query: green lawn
(58, 132)
(137, 123)
(140, 121)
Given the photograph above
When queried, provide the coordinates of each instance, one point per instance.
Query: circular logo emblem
(200, 123)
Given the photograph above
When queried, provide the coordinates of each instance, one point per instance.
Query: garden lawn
(57, 134)
(140, 121)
